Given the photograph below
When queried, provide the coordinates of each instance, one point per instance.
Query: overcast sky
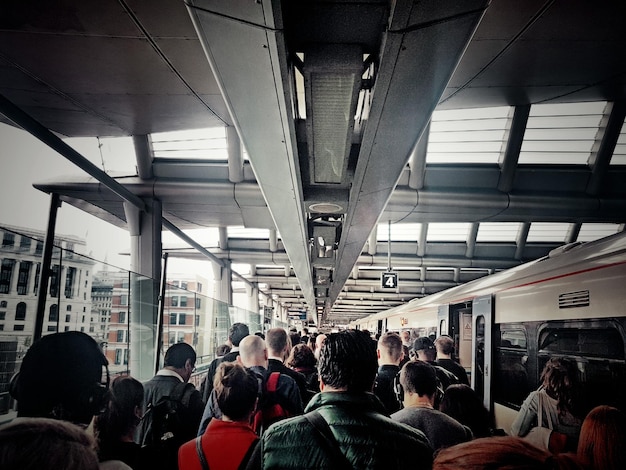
(24, 161)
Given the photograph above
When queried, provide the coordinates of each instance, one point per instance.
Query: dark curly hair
(560, 379)
(301, 356)
(348, 361)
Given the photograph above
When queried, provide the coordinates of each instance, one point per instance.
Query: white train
(505, 326)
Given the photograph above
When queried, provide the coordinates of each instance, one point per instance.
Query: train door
(456, 321)
(482, 321)
(381, 326)
(443, 320)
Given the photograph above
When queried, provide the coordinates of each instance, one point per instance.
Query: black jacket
(384, 387)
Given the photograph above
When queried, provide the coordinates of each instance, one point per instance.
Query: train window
(596, 342)
(599, 354)
(511, 382)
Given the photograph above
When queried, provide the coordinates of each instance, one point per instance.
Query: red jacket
(224, 443)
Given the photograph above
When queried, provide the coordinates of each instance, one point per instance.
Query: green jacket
(368, 438)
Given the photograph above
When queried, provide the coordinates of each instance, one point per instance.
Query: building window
(3, 315)
(199, 288)
(183, 300)
(172, 318)
(8, 240)
(52, 328)
(198, 302)
(124, 299)
(125, 356)
(197, 320)
(120, 336)
(183, 284)
(1, 327)
(18, 327)
(53, 315)
(25, 243)
(37, 271)
(122, 317)
(69, 282)
(22, 277)
(67, 328)
(92, 329)
(118, 356)
(3, 304)
(68, 318)
(54, 281)
(174, 301)
(20, 311)
(182, 319)
(39, 247)
(6, 272)
(68, 308)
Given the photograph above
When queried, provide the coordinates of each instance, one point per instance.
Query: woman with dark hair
(227, 442)
(462, 403)
(302, 359)
(602, 439)
(115, 427)
(555, 397)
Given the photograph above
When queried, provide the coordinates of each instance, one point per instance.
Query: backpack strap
(329, 442)
(272, 381)
(248, 454)
(201, 456)
(182, 393)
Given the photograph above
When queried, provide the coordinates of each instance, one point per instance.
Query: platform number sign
(389, 280)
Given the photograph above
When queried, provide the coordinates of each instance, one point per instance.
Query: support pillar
(145, 252)
(223, 277)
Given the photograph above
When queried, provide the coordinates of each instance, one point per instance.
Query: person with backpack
(236, 333)
(279, 395)
(172, 407)
(227, 443)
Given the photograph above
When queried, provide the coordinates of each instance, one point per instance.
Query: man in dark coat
(236, 333)
(389, 356)
(359, 434)
(178, 365)
(278, 348)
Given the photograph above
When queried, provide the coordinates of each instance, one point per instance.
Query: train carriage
(505, 326)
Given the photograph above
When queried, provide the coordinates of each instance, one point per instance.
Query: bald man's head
(253, 352)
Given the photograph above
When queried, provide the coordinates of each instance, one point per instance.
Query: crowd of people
(294, 400)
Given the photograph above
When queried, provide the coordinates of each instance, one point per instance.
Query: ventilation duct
(332, 79)
(574, 299)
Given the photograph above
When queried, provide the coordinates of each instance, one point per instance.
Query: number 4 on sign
(389, 280)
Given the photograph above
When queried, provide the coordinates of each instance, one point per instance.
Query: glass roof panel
(113, 155)
(497, 231)
(547, 232)
(589, 232)
(399, 232)
(467, 135)
(561, 133)
(619, 154)
(447, 232)
(242, 232)
(196, 144)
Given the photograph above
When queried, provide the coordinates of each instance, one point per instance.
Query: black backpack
(168, 429)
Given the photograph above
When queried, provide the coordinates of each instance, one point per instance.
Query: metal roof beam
(514, 136)
(599, 161)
